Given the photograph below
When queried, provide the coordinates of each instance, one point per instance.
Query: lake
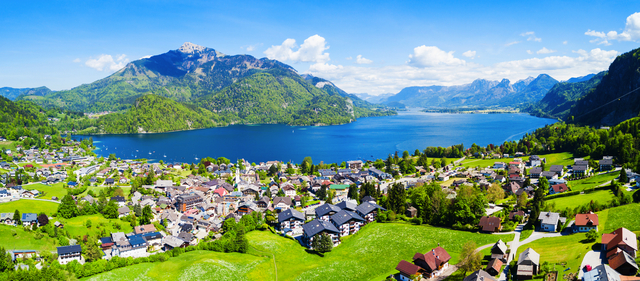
(365, 139)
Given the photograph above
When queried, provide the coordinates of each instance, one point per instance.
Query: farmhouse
(490, 224)
(549, 221)
(408, 270)
(66, 254)
(620, 240)
(585, 222)
(528, 264)
(433, 262)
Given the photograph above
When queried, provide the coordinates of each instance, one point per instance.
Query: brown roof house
(499, 250)
(408, 271)
(585, 222)
(479, 275)
(528, 264)
(433, 262)
(624, 264)
(620, 240)
(490, 224)
(494, 266)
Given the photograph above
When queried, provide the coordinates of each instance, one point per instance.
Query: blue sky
(363, 47)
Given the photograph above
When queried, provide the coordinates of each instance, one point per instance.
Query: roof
(496, 264)
(479, 275)
(549, 218)
(562, 187)
(145, 228)
(289, 214)
(529, 255)
(490, 224)
(124, 210)
(137, 239)
(29, 217)
(345, 216)
(173, 241)
(606, 162)
(286, 200)
(499, 247)
(367, 207)
(317, 226)
(69, 249)
(325, 209)
(368, 199)
(106, 240)
(622, 236)
(407, 268)
(535, 170)
(339, 186)
(586, 220)
(434, 258)
(621, 259)
(345, 205)
(601, 273)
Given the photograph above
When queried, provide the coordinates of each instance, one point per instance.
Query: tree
(147, 215)
(322, 192)
(398, 198)
(87, 223)
(111, 210)
(67, 208)
(623, 176)
(353, 192)
(495, 193)
(522, 201)
(17, 218)
(470, 259)
(322, 243)
(592, 235)
(43, 219)
(137, 210)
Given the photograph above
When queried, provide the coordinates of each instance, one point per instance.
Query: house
(490, 224)
(123, 212)
(315, 227)
(549, 175)
(528, 264)
(171, 242)
(290, 219)
(433, 262)
(369, 211)
(325, 211)
(188, 202)
(535, 172)
(109, 181)
(494, 266)
(29, 219)
(606, 164)
(354, 165)
(120, 200)
(4, 193)
(66, 254)
(535, 161)
(289, 190)
(347, 205)
(154, 239)
(142, 229)
(499, 165)
(585, 222)
(558, 188)
(558, 169)
(580, 170)
(601, 272)
(499, 250)
(17, 254)
(347, 222)
(623, 263)
(340, 189)
(408, 270)
(411, 212)
(549, 221)
(282, 203)
(479, 275)
(620, 240)
(514, 214)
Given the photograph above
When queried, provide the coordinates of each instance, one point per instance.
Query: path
(514, 248)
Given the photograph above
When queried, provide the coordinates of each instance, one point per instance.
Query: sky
(373, 47)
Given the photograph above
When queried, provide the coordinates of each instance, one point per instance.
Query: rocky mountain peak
(190, 48)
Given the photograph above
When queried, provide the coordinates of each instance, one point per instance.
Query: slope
(15, 93)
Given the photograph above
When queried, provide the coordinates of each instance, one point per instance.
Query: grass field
(484, 163)
(627, 216)
(76, 226)
(24, 240)
(96, 190)
(592, 181)
(48, 190)
(372, 254)
(568, 249)
(563, 158)
(525, 234)
(602, 196)
(29, 206)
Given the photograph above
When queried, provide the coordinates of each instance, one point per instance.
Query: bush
(416, 221)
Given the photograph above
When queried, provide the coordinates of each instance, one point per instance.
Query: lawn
(196, 265)
(29, 206)
(24, 240)
(76, 226)
(570, 249)
(96, 190)
(525, 234)
(602, 196)
(563, 158)
(484, 163)
(592, 181)
(48, 191)
(372, 254)
(627, 216)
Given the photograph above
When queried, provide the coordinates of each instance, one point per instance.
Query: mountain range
(479, 93)
(15, 93)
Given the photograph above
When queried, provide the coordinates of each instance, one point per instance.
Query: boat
(165, 156)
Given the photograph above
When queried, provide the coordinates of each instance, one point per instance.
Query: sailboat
(165, 156)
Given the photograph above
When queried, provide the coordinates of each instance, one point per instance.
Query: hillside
(240, 89)
(150, 114)
(15, 93)
(478, 93)
(616, 98)
(560, 99)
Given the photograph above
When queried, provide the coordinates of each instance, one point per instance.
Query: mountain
(374, 99)
(617, 96)
(581, 78)
(558, 101)
(15, 93)
(237, 88)
(479, 93)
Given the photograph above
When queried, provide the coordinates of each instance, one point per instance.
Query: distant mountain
(14, 93)
(238, 89)
(374, 99)
(476, 94)
(558, 101)
(581, 78)
(616, 98)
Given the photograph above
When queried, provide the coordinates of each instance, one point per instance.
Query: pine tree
(17, 218)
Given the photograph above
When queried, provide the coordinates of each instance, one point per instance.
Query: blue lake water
(366, 139)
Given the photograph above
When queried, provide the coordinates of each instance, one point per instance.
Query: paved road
(514, 248)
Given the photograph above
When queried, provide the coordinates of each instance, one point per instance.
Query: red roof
(586, 220)
(622, 237)
(434, 258)
(558, 188)
(490, 224)
(407, 268)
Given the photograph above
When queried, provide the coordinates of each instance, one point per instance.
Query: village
(187, 204)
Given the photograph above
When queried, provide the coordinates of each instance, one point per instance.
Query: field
(96, 190)
(484, 163)
(48, 191)
(569, 249)
(75, 226)
(592, 181)
(24, 240)
(602, 196)
(564, 158)
(627, 216)
(372, 254)
(29, 206)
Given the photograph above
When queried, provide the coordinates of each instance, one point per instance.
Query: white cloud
(469, 54)
(631, 32)
(251, 48)
(531, 36)
(312, 50)
(544, 50)
(361, 60)
(565, 42)
(348, 58)
(529, 52)
(77, 60)
(107, 62)
(427, 56)
(512, 43)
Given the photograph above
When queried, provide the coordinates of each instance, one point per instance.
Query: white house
(549, 221)
(67, 254)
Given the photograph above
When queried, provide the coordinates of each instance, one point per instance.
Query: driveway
(590, 258)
